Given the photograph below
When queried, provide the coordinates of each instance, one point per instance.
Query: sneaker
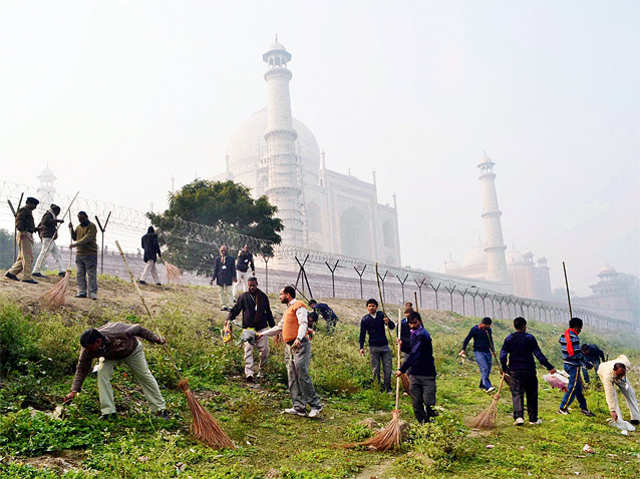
(93, 296)
(518, 422)
(158, 284)
(30, 281)
(164, 414)
(38, 275)
(108, 417)
(491, 389)
(635, 422)
(141, 281)
(250, 379)
(294, 412)
(587, 413)
(536, 423)
(81, 295)
(564, 412)
(11, 276)
(61, 274)
(315, 412)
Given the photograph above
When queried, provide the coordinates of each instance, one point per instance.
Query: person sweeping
(48, 232)
(516, 358)
(151, 248)
(422, 370)
(112, 344)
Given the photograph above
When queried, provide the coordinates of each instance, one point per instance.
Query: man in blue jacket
(516, 358)
(593, 356)
(374, 323)
(482, 346)
(573, 363)
(224, 274)
(422, 370)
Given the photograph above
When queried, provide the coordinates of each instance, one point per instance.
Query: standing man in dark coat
(422, 370)
(25, 227)
(374, 323)
(151, 249)
(224, 274)
(516, 358)
(243, 263)
(256, 316)
(593, 356)
(84, 240)
(48, 232)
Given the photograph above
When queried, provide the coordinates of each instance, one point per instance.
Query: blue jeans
(484, 363)
(575, 388)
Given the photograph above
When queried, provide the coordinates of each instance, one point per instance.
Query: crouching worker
(422, 370)
(614, 373)
(113, 343)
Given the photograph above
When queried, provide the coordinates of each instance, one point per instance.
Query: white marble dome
(247, 145)
(475, 256)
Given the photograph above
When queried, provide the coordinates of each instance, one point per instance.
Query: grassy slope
(270, 444)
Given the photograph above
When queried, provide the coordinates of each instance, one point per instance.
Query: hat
(31, 199)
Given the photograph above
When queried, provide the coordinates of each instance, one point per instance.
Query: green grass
(39, 350)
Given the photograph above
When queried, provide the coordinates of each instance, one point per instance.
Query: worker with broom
(256, 316)
(516, 358)
(48, 232)
(482, 345)
(297, 354)
(114, 343)
(373, 323)
(151, 248)
(25, 227)
(224, 274)
(84, 241)
(405, 332)
(573, 364)
(421, 368)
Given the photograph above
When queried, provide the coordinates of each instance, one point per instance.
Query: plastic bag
(557, 380)
(248, 336)
(625, 427)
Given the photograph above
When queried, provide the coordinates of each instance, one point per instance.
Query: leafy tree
(6, 249)
(232, 217)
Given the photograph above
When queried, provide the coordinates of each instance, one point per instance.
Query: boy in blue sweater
(482, 347)
(422, 370)
(374, 323)
(516, 358)
(573, 364)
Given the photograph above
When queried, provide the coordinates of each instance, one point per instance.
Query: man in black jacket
(256, 315)
(374, 323)
(516, 358)
(48, 232)
(151, 249)
(422, 370)
(25, 227)
(224, 274)
(243, 263)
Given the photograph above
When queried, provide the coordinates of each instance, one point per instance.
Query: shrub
(357, 432)
(17, 339)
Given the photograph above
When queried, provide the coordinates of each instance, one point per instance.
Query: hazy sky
(118, 97)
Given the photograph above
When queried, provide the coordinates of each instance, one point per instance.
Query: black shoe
(140, 281)
(635, 422)
(164, 414)
(250, 379)
(11, 276)
(30, 281)
(587, 413)
(81, 295)
(158, 284)
(38, 275)
(108, 417)
(62, 274)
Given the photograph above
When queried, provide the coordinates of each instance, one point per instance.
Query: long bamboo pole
(566, 283)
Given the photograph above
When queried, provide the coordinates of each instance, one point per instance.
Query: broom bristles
(204, 427)
(173, 272)
(385, 439)
(55, 297)
(487, 418)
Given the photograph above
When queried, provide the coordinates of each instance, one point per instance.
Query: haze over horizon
(118, 98)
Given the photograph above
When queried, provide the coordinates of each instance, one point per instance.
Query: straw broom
(203, 427)
(487, 418)
(55, 296)
(173, 272)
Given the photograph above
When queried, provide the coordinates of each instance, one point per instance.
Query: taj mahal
(274, 154)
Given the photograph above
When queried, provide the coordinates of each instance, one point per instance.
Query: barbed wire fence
(330, 275)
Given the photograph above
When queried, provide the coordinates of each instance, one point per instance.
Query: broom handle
(398, 344)
(566, 283)
(382, 303)
(500, 386)
(415, 300)
(46, 251)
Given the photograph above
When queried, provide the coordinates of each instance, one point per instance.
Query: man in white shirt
(297, 354)
(612, 374)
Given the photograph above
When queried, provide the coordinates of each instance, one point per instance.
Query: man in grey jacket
(111, 344)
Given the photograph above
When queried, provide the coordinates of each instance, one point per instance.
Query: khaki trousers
(24, 262)
(138, 364)
(241, 283)
(150, 268)
(53, 250)
(262, 345)
(225, 296)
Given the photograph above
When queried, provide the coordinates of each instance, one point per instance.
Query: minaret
(46, 191)
(283, 186)
(494, 244)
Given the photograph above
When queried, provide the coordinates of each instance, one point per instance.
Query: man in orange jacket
(297, 354)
